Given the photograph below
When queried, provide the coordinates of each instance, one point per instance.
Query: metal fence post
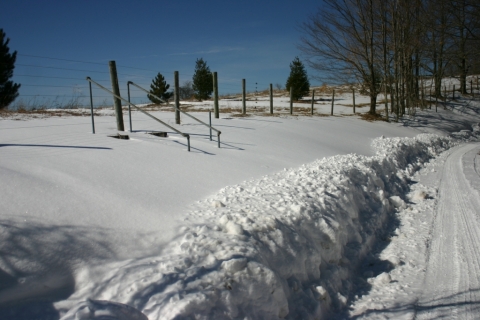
(116, 90)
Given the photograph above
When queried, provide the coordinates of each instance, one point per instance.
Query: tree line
(391, 45)
(201, 86)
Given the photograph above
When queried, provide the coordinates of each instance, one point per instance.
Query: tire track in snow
(452, 286)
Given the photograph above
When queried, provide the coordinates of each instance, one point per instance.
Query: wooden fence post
(353, 90)
(386, 103)
(215, 96)
(333, 101)
(271, 99)
(177, 97)
(244, 103)
(291, 99)
(430, 99)
(313, 99)
(116, 90)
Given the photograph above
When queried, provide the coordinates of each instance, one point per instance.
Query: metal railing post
(129, 109)
(91, 107)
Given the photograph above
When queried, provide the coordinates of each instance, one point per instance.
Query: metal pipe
(198, 120)
(129, 109)
(139, 109)
(91, 107)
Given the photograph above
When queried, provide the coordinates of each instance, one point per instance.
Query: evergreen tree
(202, 80)
(8, 89)
(298, 80)
(159, 88)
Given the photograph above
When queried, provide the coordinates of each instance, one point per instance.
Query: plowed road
(452, 282)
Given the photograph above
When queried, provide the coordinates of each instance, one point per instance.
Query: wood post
(291, 99)
(353, 92)
(313, 99)
(453, 93)
(215, 96)
(177, 97)
(386, 103)
(271, 99)
(422, 93)
(244, 103)
(116, 90)
(91, 107)
(333, 101)
(430, 98)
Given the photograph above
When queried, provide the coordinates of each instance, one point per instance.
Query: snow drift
(283, 246)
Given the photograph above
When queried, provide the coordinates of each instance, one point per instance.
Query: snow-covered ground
(293, 217)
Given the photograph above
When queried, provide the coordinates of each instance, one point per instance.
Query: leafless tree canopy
(389, 45)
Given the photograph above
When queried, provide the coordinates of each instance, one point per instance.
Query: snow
(289, 219)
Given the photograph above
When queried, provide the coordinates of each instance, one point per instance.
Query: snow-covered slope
(283, 245)
(112, 220)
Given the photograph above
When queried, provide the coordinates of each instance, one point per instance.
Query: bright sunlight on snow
(296, 217)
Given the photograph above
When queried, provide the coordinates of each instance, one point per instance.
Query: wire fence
(50, 82)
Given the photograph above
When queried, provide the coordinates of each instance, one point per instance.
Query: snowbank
(281, 246)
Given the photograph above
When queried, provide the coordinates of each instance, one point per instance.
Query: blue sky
(255, 40)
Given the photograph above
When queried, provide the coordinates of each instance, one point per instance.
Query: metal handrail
(185, 113)
(186, 135)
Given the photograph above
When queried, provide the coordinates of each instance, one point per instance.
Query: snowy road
(452, 283)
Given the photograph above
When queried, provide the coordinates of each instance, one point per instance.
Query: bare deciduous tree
(340, 41)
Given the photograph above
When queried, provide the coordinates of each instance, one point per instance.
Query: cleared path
(452, 280)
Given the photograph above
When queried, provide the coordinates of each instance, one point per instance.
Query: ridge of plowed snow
(281, 246)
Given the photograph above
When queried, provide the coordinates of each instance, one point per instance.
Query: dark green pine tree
(159, 88)
(8, 89)
(298, 80)
(202, 80)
